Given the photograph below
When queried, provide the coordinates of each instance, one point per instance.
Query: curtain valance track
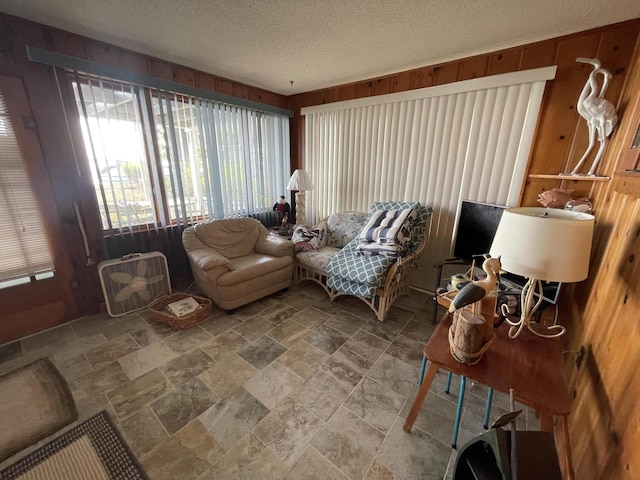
(54, 59)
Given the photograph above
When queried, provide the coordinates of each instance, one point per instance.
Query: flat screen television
(477, 225)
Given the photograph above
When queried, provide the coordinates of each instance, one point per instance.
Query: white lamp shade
(300, 181)
(544, 243)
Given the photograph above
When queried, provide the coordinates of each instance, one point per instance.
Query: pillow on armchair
(307, 238)
(387, 232)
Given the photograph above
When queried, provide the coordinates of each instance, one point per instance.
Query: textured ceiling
(317, 44)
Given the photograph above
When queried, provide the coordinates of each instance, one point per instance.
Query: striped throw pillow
(387, 232)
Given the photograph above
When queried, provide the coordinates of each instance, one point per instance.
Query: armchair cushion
(367, 272)
(231, 238)
(388, 227)
(386, 233)
(207, 259)
(317, 259)
(252, 266)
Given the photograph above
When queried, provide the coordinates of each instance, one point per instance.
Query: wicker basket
(158, 310)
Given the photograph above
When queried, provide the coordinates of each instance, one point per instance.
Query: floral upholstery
(343, 227)
(317, 259)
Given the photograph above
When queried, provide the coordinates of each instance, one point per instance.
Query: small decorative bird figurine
(475, 291)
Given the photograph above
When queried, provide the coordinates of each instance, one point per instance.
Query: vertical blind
(161, 158)
(464, 141)
(24, 249)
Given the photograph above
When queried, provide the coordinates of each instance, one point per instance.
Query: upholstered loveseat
(236, 261)
(341, 267)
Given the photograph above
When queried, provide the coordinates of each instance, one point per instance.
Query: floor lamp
(300, 182)
(542, 244)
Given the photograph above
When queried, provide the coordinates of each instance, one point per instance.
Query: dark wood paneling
(447, 73)
(505, 62)
(422, 78)
(474, 68)
(34, 306)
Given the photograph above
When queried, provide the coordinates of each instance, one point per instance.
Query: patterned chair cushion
(317, 259)
(388, 226)
(386, 233)
(347, 265)
(343, 227)
(351, 288)
(418, 225)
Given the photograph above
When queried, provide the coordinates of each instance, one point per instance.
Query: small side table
(530, 365)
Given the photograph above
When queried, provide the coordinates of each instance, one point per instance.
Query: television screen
(477, 225)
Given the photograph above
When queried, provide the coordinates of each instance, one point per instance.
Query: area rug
(92, 450)
(35, 402)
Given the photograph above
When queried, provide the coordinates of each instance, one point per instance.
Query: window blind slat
(24, 248)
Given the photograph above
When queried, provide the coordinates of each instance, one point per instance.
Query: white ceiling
(321, 43)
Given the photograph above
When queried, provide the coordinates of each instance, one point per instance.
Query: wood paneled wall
(602, 313)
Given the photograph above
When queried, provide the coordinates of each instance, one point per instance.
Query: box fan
(134, 281)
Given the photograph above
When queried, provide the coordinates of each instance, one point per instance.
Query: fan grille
(133, 282)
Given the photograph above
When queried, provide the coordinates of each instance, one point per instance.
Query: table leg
(456, 425)
(563, 433)
(546, 421)
(417, 403)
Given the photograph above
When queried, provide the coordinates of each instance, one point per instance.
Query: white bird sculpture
(475, 291)
(599, 113)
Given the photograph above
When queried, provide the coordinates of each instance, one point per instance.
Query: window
(113, 137)
(24, 248)
(160, 158)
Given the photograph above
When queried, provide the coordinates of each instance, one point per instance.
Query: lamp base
(528, 307)
(301, 198)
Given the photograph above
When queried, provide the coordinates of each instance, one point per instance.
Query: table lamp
(542, 244)
(300, 182)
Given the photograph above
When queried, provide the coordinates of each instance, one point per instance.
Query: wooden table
(530, 365)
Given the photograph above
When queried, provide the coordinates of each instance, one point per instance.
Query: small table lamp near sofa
(542, 244)
(300, 182)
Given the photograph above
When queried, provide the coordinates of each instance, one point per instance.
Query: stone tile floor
(289, 387)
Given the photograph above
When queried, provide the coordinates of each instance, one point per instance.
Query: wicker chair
(376, 280)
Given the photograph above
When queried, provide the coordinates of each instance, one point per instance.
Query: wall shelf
(561, 176)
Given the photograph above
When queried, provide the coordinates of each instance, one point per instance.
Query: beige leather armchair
(236, 261)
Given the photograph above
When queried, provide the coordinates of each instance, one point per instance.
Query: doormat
(35, 402)
(92, 450)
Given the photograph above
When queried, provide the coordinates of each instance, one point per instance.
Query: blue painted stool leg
(487, 410)
(422, 369)
(448, 387)
(456, 426)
